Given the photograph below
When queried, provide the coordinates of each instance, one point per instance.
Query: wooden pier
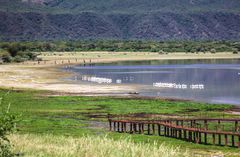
(200, 131)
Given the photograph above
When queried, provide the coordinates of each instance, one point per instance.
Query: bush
(6, 58)
(31, 55)
(7, 126)
(235, 52)
(213, 50)
(161, 52)
(19, 59)
(13, 50)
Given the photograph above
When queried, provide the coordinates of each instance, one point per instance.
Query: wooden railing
(192, 130)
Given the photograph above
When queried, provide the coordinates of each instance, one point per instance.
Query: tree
(13, 50)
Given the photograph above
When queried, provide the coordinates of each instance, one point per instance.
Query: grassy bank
(78, 117)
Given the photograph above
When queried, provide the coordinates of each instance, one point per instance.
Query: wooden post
(236, 126)
(118, 126)
(148, 129)
(159, 130)
(173, 132)
(200, 137)
(122, 126)
(219, 127)
(238, 141)
(226, 140)
(184, 134)
(114, 126)
(219, 139)
(214, 139)
(139, 128)
(180, 133)
(205, 125)
(205, 138)
(190, 136)
(153, 129)
(110, 125)
(143, 128)
(196, 137)
(168, 131)
(233, 142)
(165, 130)
(134, 128)
(126, 127)
(131, 128)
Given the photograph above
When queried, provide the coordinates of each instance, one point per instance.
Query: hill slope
(115, 19)
(120, 6)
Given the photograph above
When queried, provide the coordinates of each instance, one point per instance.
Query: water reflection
(213, 81)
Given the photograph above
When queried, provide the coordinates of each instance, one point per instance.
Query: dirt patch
(235, 110)
(145, 116)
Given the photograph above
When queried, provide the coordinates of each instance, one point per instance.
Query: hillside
(115, 19)
(120, 6)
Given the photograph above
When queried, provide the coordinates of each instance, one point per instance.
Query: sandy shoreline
(46, 75)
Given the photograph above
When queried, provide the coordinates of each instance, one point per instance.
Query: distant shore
(45, 74)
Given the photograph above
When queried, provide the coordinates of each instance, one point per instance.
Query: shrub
(7, 126)
(19, 59)
(235, 52)
(161, 52)
(213, 50)
(31, 55)
(13, 49)
(6, 58)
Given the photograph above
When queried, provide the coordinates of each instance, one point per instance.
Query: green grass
(77, 116)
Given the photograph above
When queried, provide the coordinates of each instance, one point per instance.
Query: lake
(212, 81)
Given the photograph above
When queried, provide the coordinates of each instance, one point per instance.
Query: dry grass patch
(90, 146)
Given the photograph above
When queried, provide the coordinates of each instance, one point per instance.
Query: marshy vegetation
(71, 121)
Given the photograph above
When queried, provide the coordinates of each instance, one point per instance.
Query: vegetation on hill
(90, 25)
(116, 6)
(115, 19)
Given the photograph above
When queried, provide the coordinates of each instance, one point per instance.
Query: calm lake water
(213, 81)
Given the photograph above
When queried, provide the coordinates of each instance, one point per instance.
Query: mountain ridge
(119, 6)
(51, 20)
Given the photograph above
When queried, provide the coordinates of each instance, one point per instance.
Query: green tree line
(20, 51)
(115, 45)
